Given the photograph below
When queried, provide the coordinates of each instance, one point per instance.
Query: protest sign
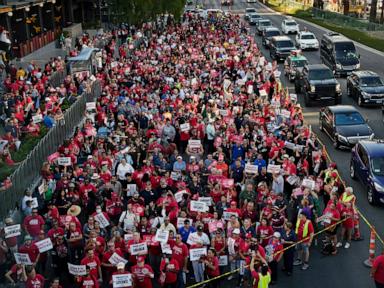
(285, 113)
(293, 97)
(193, 239)
(90, 106)
(194, 143)
(198, 206)
(308, 183)
(223, 260)
(227, 215)
(175, 176)
(273, 168)
(37, 118)
(12, 231)
(206, 200)
(35, 203)
(162, 235)
(121, 280)
(179, 195)
(293, 179)
(77, 270)
(128, 237)
(289, 145)
(131, 189)
(103, 221)
(116, 259)
(64, 161)
(22, 258)
(227, 183)
(166, 248)
(185, 127)
(223, 112)
(44, 245)
(195, 254)
(263, 94)
(277, 73)
(138, 249)
(251, 169)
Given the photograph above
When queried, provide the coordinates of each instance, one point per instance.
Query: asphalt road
(345, 269)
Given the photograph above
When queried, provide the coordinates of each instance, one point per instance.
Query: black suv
(280, 47)
(344, 125)
(268, 33)
(317, 83)
(366, 87)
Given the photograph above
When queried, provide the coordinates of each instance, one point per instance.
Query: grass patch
(354, 34)
(27, 145)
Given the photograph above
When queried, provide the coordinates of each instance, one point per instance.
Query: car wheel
(360, 101)
(336, 143)
(371, 197)
(352, 172)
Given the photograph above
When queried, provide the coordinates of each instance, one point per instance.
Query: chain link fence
(26, 174)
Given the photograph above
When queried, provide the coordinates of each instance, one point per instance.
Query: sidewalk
(40, 56)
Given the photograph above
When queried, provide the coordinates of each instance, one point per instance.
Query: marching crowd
(193, 162)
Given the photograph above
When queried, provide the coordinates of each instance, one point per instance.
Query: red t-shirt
(93, 265)
(33, 224)
(213, 272)
(378, 264)
(88, 282)
(31, 250)
(180, 252)
(37, 282)
(171, 269)
(142, 279)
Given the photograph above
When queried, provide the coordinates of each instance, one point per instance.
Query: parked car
(366, 87)
(306, 40)
(254, 18)
(317, 83)
(262, 24)
(289, 26)
(344, 125)
(367, 165)
(294, 65)
(280, 47)
(248, 12)
(268, 33)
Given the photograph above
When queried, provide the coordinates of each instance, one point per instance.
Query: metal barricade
(28, 172)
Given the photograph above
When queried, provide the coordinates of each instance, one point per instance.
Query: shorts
(332, 231)
(302, 246)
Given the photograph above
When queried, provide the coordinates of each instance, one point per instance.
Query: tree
(139, 11)
(373, 13)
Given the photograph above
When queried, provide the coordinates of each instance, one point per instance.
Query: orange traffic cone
(356, 229)
(369, 261)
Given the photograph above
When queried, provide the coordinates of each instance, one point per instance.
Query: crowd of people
(193, 162)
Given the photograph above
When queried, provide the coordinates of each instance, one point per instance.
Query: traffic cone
(356, 229)
(369, 261)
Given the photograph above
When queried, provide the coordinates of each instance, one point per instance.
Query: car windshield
(284, 44)
(349, 118)
(320, 74)
(371, 81)
(255, 16)
(299, 63)
(264, 23)
(345, 50)
(378, 166)
(272, 33)
(290, 23)
(250, 10)
(307, 36)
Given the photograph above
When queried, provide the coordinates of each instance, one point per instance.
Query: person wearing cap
(198, 239)
(305, 232)
(169, 268)
(179, 165)
(30, 249)
(233, 209)
(233, 244)
(185, 230)
(273, 254)
(143, 273)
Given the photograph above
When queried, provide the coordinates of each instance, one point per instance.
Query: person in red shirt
(169, 266)
(34, 223)
(55, 230)
(332, 215)
(30, 249)
(34, 280)
(212, 266)
(16, 274)
(264, 231)
(143, 274)
(347, 213)
(121, 271)
(93, 263)
(304, 231)
(377, 271)
(109, 268)
(88, 280)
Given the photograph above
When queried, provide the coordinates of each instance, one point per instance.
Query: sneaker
(305, 266)
(230, 278)
(339, 244)
(297, 262)
(347, 245)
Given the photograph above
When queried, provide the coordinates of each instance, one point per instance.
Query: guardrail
(29, 169)
(346, 21)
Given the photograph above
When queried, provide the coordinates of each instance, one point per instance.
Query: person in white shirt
(168, 226)
(128, 220)
(27, 197)
(122, 169)
(198, 238)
